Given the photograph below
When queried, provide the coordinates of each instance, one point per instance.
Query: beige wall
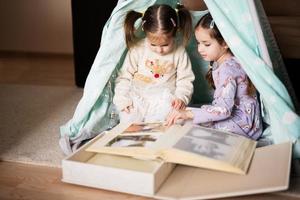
(43, 26)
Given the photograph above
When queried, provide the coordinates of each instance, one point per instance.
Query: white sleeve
(123, 82)
(184, 78)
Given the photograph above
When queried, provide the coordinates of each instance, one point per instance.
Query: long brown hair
(162, 18)
(207, 22)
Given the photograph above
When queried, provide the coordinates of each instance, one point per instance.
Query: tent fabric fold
(245, 35)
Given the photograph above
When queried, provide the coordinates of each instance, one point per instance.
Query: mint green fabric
(236, 24)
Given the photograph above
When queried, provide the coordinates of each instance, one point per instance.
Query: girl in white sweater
(156, 76)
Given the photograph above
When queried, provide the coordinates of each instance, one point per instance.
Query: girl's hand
(175, 115)
(127, 109)
(178, 104)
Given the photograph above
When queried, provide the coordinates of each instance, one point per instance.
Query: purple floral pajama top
(232, 109)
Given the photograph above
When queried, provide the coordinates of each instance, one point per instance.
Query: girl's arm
(184, 79)
(123, 82)
(222, 105)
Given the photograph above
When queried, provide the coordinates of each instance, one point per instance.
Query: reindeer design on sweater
(157, 68)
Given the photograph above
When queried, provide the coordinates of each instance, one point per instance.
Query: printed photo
(202, 147)
(208, 142)
(145, 128)
(211, 135)
(132, 141)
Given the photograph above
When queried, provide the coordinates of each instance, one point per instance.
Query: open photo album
(188, 145)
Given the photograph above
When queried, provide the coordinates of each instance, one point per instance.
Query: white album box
(269, 171)
(117, 173)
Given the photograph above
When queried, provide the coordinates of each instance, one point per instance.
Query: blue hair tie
(212, 24)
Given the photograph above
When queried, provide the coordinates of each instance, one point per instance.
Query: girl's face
(160, 43)
(208, 47)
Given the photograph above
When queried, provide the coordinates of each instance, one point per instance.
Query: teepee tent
(243, 25)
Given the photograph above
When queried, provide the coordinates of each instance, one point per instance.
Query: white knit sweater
(146, 70)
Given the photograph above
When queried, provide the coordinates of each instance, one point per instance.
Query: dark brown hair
(206, 22)
(159, 17)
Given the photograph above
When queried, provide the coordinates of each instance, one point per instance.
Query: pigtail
(129, 29)
(251, 90)
(184, 23)
(209, 76)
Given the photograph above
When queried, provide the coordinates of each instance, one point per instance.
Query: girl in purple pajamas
(235, 107)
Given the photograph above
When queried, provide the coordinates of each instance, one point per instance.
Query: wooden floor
(21, 181)
(36, 69)
(30, 182)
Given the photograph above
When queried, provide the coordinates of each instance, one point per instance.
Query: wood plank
(287, 33)
(21, 181)
(282, 8)
(36, 69)
(194, 4)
